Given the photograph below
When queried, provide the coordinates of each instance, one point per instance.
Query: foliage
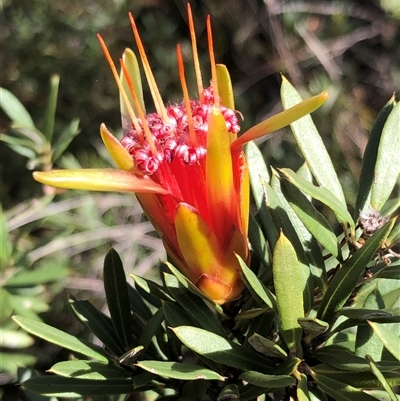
(319, 318)
(45, 242)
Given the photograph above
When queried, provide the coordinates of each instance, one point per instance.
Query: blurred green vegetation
(346, 47)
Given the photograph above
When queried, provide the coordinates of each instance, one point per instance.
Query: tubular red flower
(186, 165)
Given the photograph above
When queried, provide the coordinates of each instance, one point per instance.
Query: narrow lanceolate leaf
(257, 170)
(266, 347)
(98, 323)
(268, 381)
(56, 386)
(15, 110)
(180, 371)
(340, 358)
(341, 391)
(388, 339)
(375, 370)
(58, 337)
(313, 327)
(87, 370)
(296, 233)
(314, 221)
(311, 145)
(219, 349)
(345, 280)
(195, 306)
(387, 167)
(117, 296)
(323, 194)
(302, 388)
(356, 379)
(288, 290)
(369, 159)
(50, 113)
(151, 328)
(256, 286)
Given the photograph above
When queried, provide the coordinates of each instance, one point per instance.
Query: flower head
(186, 165)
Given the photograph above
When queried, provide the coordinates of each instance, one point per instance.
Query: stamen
(119, 84)
(195, 54)
(186, 98)
(139, 131)
(155, 93)
(214, 82)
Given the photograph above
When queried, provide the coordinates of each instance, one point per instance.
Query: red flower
(187, 168)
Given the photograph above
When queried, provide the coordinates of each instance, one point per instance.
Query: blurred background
(57, 242)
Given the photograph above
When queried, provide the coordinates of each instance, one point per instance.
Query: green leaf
(57, 386)
(194, 305)
(20, 145)
(375, 370)
(219, 349)
(5, 246)
(50, 113)
(130, 357)
(41, 275)
(176, 316)
(341, 391)
(155, 291)
(63, 140)
(87, 370)
(297, 235)
(366, 341)
(387, 167)
(369, 160)
(312, 327)
(58, 337)
(342, 359)
(138, 306)
(375, 315)
(345, 280)
(302, 388)
(254, 284)
(14, 339)
(357, 379)
(259, 175)
(151, 328)
(10, 362)
(266, 347)
(390, 272)
(314, 221)
(117, 296)
(257, 241)
(180, 371)
(288, 290)
(15, 109)
(257, 171)
(268, 381)
(322, 194)
(98, 323)
(229, 392)
(311, 145)
(388, 338)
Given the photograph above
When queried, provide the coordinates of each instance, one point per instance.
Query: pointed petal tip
(108, 180)
(120, 155)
